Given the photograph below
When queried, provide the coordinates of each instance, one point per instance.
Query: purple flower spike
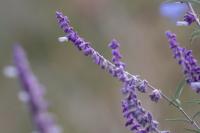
(155, 95)
(33, 94)
(186, 60)
(114, 45)
(137, 118)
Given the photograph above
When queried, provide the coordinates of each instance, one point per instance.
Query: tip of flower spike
(17, 48)
(58, 13)
(168, 33)
(114, 44)
(18, 52)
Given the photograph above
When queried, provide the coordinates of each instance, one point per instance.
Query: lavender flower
(189, 18)
(186, 60)
(155, 95)
(137, 118)
(33, 94)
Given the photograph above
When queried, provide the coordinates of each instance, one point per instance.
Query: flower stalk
(33, 94)
(113, 69)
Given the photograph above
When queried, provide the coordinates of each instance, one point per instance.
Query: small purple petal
(114, 44)
(155, 95)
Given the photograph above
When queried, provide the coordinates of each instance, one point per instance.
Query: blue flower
(174, 11)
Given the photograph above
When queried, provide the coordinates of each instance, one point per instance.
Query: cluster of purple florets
(186, 60)
(114, 45)
(33, 94)
(189, 17)
(137, 118)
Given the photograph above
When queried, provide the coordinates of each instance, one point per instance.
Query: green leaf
(179, 89)
(195, 34)
(177, 119)
(192, 130)
(178, 92)
(195, 101)
(195, 115)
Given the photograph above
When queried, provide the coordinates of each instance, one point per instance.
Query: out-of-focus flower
(33, 94)
(10, 71)
(174, 11)
(186, 60)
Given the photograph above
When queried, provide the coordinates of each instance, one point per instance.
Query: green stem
(194, 13)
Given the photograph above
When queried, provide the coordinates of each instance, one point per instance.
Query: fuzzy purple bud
(155, 96)
(114, 44)
(33, 94)
(142, 87)
(189, 17)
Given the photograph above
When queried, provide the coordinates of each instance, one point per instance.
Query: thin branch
(194, 13)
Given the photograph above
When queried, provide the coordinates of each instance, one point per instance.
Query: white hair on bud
(10, 71)
(23, 96)
(63, 39)
(182, 23)
(195, 85)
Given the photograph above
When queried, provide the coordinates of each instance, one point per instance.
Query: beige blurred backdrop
(83, 98)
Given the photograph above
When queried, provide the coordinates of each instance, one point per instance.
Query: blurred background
(84, 98)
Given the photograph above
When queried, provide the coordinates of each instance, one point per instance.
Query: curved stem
(193, 122)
